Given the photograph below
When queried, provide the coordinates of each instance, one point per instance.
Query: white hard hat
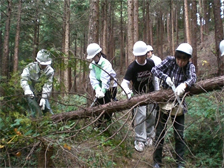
(139, 48)
(186, 48)
(43, 57)
(92, 50)
(221, 47)
(149, 48)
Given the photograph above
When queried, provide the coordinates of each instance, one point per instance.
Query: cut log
(203, 86)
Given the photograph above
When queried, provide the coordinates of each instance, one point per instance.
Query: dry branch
(203, 86)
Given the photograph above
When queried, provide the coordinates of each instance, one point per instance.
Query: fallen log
(202, 86)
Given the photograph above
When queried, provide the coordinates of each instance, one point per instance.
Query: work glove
(169, 81)
(99, 93)
(42, 103)
(179, 91)
(29, 93)
(129, 93)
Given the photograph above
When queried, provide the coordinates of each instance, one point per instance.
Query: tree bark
(5, 58)
(194, 34)
(157, 96)
(130, 32)
(67, 71)
(16, 48)
(187, 24)
(218, 35)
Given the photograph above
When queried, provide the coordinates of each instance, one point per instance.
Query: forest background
(65, 28)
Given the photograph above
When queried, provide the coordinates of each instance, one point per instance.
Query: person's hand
(129, 93)
(99, 93)
(42, 103)
(169, 81)
(179, 91)
(29, 93)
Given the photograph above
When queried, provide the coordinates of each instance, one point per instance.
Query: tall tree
(135, 23)
(130, 32)
(36, 29)
(218, 34)
(5, 58)
(194, 33)
(16, 48)
(93, 35)
(67, 72)
(187, 23)
(122, 54)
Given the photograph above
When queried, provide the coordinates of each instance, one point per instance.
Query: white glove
(29, 93)
(42, 103)
(179, 91)
(99, 93)
(129, 93)
(169, 81)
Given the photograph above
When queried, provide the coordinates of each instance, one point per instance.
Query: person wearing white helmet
(179, 74)
(143, 81)
(101, 76)
(36, 82)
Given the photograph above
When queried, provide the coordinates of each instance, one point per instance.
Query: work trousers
(35, 109)
(106, 116)
(160, 126)
(144, 122)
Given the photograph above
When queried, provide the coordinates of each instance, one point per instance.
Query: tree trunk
(172, 27)
(157, 96)
(187, 24)
(5, 58)
(135, 24)
(93, 36)
(16, 48)
(36, 31)
(218, 35)
(194, 34)
(67, 71)
(104, 41)
(122, 54)
(130, 32)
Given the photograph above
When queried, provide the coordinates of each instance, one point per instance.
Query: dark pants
(34, 108)
(106, 116)
(161, 125)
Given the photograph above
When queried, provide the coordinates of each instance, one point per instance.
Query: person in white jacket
(101, 75)
(36, 82)
(143, 81)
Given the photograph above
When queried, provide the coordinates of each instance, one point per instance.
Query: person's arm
(25, 79)
(192, 77)
(47, 88)
(95, 83)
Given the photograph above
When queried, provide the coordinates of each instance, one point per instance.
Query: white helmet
(92, 50)
(186, 48)
(149, 48)
(139, 48)
(43, 57)
(221, 47)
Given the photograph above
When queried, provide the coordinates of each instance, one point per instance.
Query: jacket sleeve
(47, 88)
(192, 76)
(106, 74)
(25, 78)
(92, 76)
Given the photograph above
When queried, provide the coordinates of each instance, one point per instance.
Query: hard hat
(186, 48)
(43, 57)
(149, 48)
(92, 50)
(139, 48)
(221, 47)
